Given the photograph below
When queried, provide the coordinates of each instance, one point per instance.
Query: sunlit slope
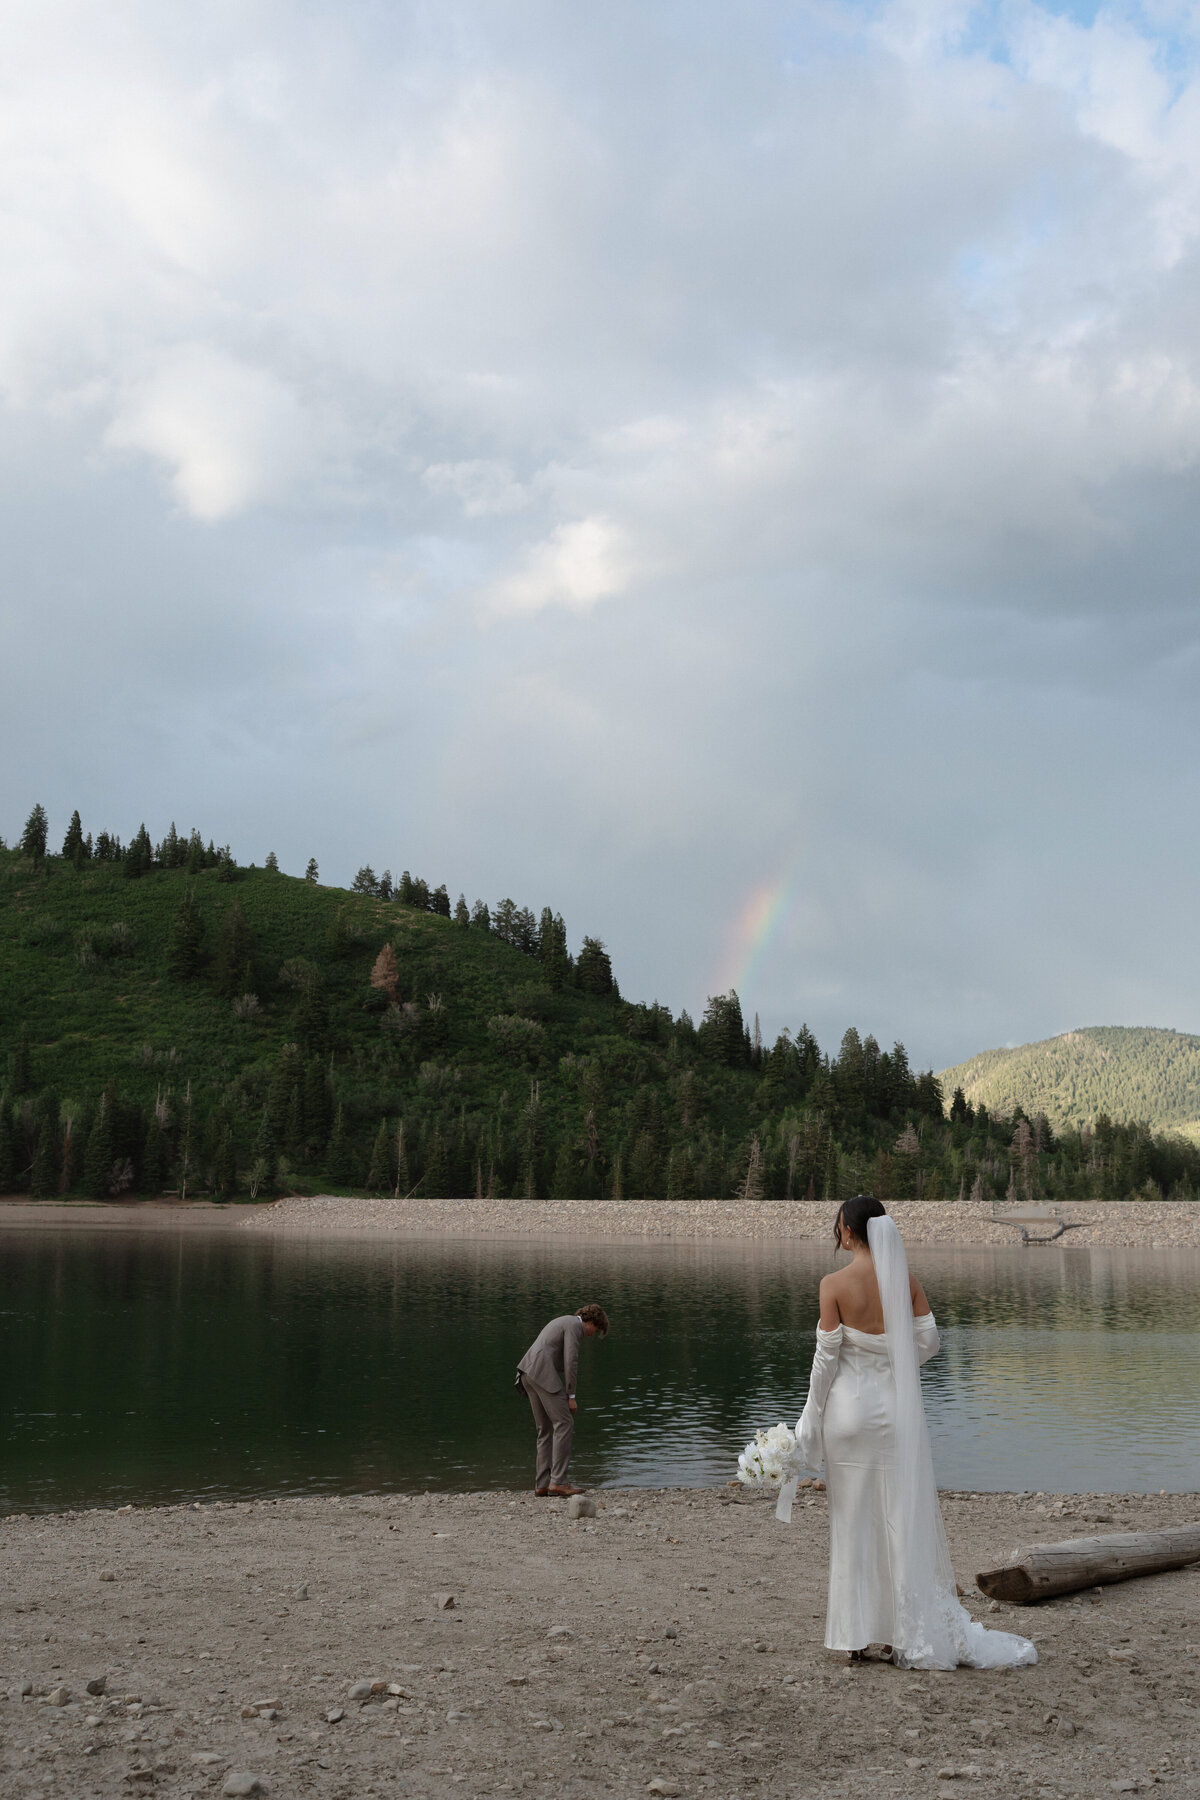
(1128, 1072)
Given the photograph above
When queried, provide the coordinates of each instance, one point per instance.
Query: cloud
(580, 563)
(232, 436)
(713, 440)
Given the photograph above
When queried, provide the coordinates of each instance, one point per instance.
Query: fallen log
(1048, 1569)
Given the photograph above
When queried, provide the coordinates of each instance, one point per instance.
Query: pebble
(579, 1506)
(965, 1222)
(334, 1714)
(444, 1602)
(560, 1631)
(241, 1781)
(206, 1758)
(361, 1690)
(107, 1575)
(98, 1686)
(59, 1696)
(662, 1784)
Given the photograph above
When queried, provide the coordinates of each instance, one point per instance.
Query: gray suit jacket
(552, 1359)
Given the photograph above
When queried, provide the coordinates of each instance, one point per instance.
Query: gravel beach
(488, 1644)
(1143, 1224)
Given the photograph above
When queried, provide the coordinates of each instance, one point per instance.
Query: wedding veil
(933, 1631)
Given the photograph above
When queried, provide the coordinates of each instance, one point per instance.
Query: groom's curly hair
(595, 1315)
(853, 1214)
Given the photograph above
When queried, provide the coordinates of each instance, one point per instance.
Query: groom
(546, 1372)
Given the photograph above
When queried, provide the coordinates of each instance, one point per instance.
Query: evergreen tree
(481, 918)
(439, 902)
(266, 1152)
(8, 1157)
(154, 1155)
(185, 957)
(68, 1167)
(552, 947)
(44, 1178)
(225, 1177)
(364, 882)
(721, 1035)
(233, 964)
(316, 1109)
(339, 1165)
(312, 873)
(73, 844)
(194, 861)
(272, 862)
(565, 1182)
(22, 1065)
(227, 869)
(593, 970)
(98, 1160)
(379, 1173)
(33, 838)
(171, 850)
(462, 914)
(139, 857)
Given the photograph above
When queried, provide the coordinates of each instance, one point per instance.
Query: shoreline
(946, 1224)
(489, 1644)
(938, 1224)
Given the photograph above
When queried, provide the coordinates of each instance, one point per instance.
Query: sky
(728, 473)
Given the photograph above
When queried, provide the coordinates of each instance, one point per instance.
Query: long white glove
(809, 1452)
(925, 1336)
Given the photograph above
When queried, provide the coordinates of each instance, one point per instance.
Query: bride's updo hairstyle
(853, 1214)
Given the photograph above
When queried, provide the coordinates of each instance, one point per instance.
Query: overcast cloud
(639, 459)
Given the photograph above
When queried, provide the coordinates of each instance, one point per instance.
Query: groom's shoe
(566, 1491)
(541, 1492)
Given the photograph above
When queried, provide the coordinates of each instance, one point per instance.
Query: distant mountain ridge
(1128, 1072)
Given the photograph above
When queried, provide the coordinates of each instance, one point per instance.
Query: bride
(890, 1577)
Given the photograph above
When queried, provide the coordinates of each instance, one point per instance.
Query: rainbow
(753, 930)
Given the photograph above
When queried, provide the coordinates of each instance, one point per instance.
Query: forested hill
(1125, 1072)
(172, 1022)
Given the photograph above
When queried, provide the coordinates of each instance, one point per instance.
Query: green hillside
(1126, 1072)
(170, 1022)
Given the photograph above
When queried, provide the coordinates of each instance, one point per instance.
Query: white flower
(769, 1460)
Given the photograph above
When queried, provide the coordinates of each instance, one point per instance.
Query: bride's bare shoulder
(833, 1286)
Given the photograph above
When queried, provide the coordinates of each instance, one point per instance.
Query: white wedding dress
(890, 1575)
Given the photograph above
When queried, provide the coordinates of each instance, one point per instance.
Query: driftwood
(1048, 1569)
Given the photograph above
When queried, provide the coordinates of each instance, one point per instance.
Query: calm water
(152, 1366)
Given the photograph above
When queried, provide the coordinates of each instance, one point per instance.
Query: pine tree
(339, 1163)
(311, 873)
(171, 849)
(439, 901)
(139, 857)
(481, 918)
(462, 915)
(194, 861)
(22, 1065)
(751, 1187)
(233, 964)
(44, 1177)
(154, 1155)
(316, 1108)
(73, 844)
(68, 1169)
(227, 869)
(33, 838)
(8, 1158)
(265, 1154)
(379, 1174)
(272, 862)
(593, 970)
(98, 1161)
(185, 957)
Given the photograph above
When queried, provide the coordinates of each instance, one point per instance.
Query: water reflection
(152, 1367)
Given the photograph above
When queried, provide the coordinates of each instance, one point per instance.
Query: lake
(155, 1366)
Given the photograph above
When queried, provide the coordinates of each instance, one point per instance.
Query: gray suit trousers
(555, 1430)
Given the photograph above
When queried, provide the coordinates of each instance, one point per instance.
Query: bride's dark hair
(853, 1214)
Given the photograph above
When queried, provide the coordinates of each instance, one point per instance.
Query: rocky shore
(1145, 1224)
(490, 1645)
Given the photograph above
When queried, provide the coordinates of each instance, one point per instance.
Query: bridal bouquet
(770, 1459)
